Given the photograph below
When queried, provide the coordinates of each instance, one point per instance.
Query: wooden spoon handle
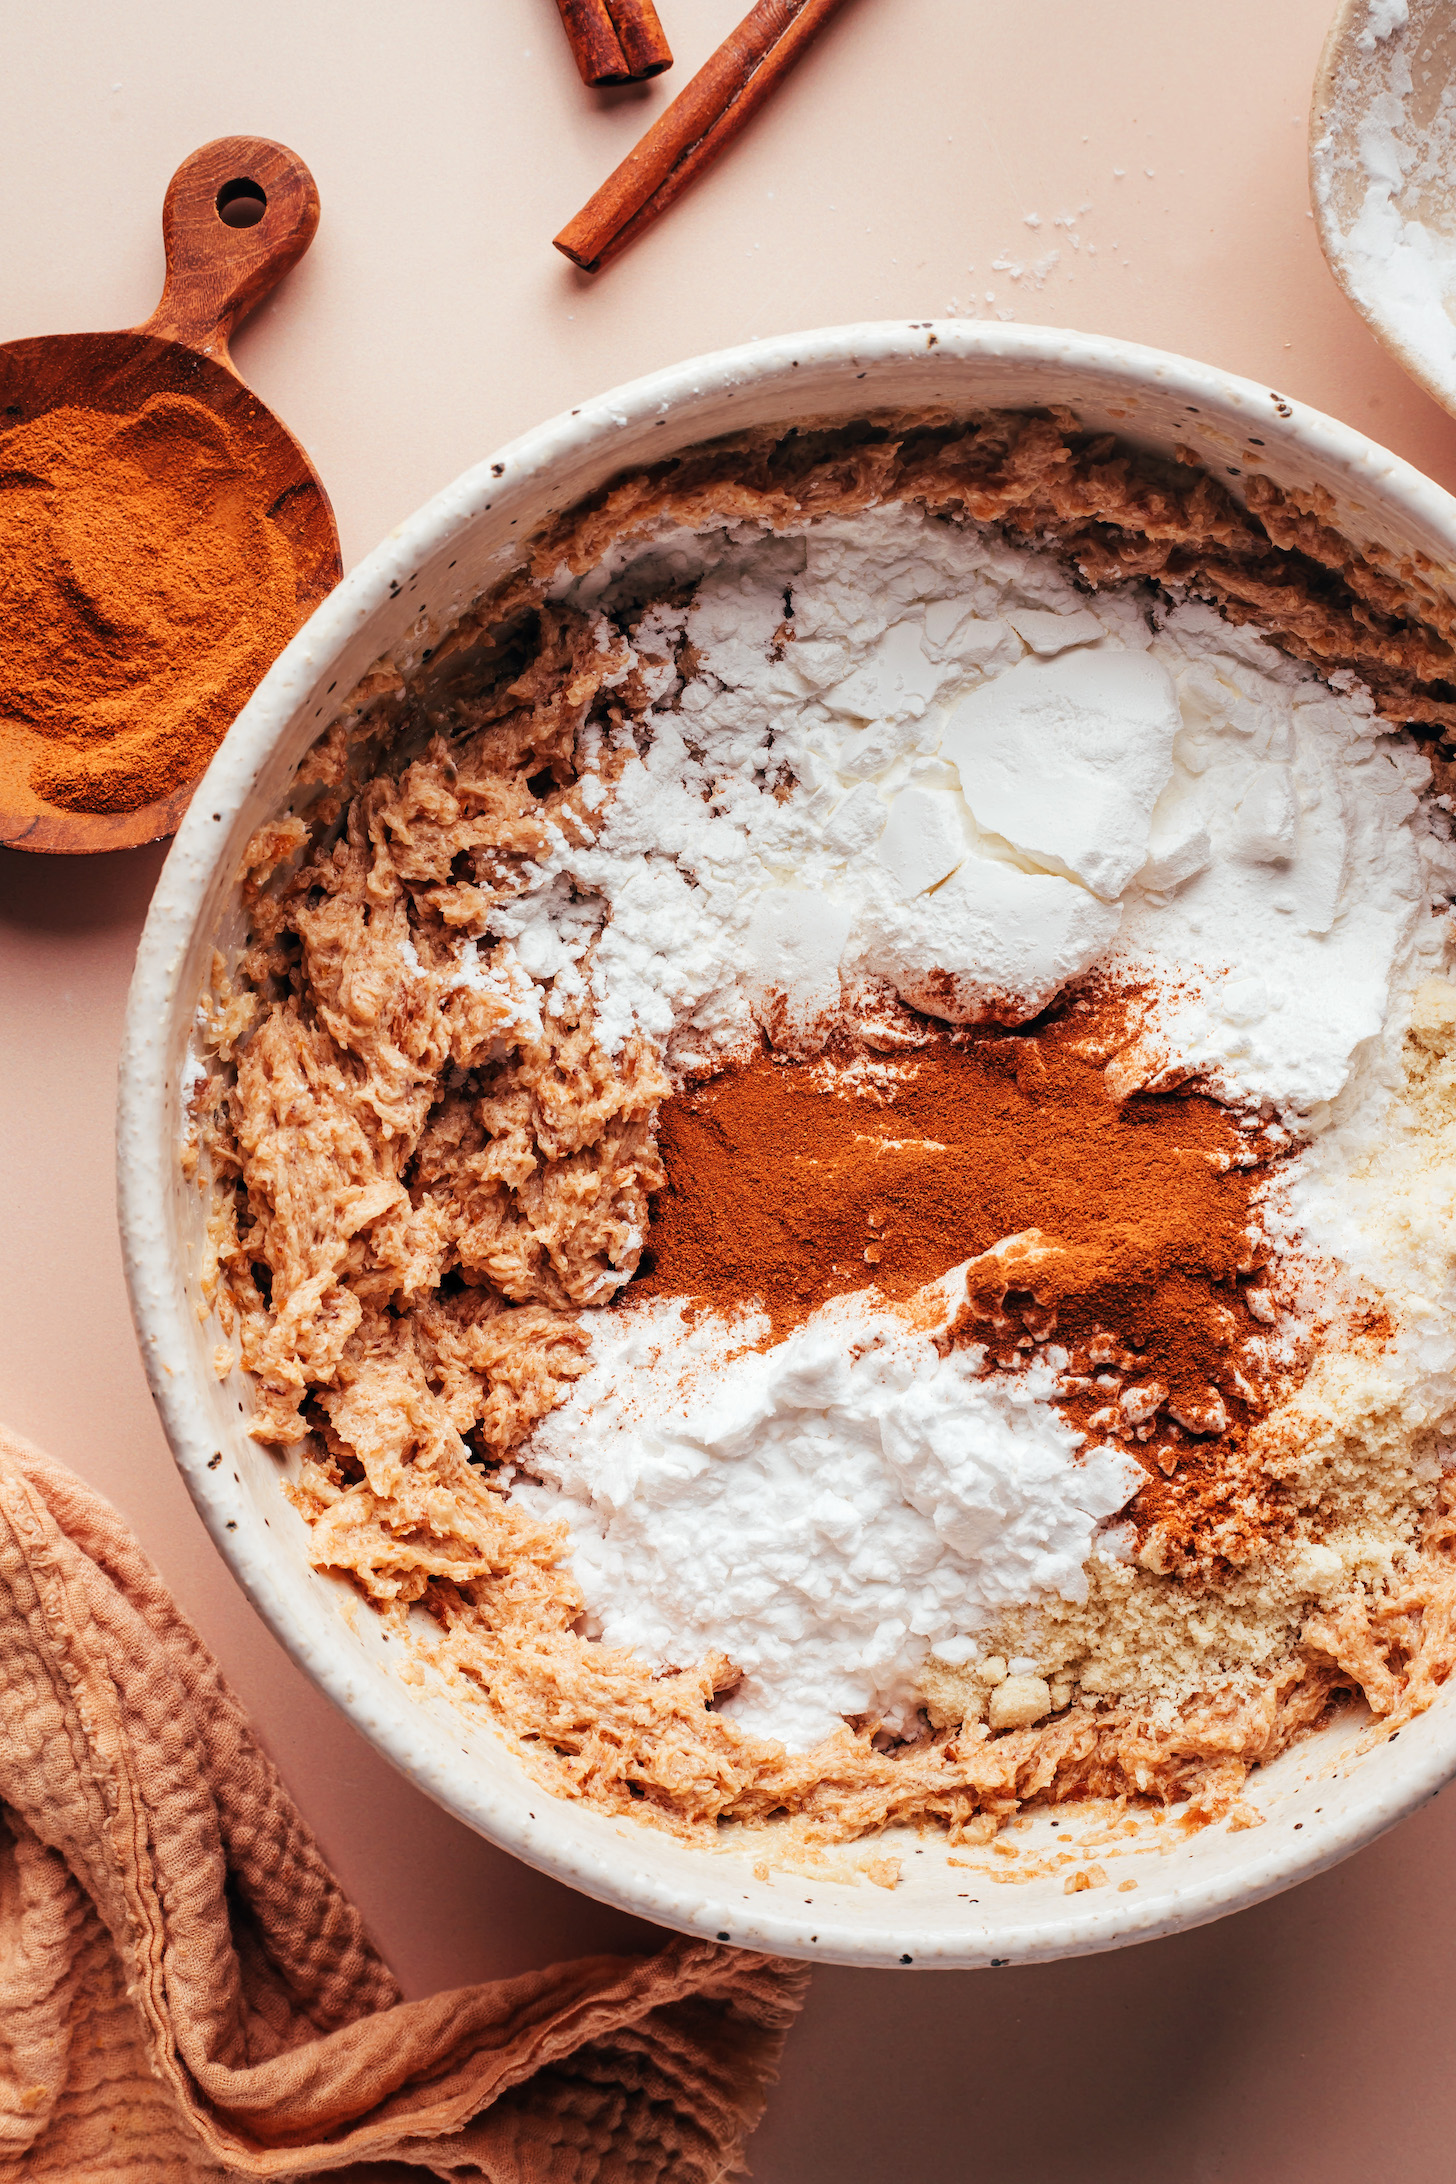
(217, 271)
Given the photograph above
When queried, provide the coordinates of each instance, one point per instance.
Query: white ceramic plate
(1322, 1799)
(1382, 170)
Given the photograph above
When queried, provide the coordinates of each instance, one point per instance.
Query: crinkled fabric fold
(185, 1991)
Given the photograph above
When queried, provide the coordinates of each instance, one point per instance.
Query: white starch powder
(824, 1511)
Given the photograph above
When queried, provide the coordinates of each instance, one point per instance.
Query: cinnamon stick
(701, 122)
(615, 41)
(639, 33)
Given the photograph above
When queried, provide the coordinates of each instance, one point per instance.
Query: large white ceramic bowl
(1322, 1799)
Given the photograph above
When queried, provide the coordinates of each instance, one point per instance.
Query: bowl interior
(1145, 1874)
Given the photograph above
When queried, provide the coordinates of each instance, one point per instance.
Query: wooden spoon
(216, 272)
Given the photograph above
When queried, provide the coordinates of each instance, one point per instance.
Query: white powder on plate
(1381, 174)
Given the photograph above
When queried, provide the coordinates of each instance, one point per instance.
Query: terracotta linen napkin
(186, 1992)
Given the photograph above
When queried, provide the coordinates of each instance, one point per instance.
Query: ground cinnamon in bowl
(143, 594)
(790, 1183)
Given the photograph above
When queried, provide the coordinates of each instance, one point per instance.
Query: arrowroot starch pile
(835, 1140)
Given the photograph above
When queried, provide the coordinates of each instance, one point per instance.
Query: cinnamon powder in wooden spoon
(143, 594)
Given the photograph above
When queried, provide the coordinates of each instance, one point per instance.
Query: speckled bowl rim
(554, 1834)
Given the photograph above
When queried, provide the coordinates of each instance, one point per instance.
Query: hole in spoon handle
(237, 215)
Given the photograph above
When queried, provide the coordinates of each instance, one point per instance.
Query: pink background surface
(930, 157)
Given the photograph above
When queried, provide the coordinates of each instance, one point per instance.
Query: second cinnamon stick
(701, 122)
(615, 41)
(639, 33)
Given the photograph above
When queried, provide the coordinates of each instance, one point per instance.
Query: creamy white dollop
(1065, 759)
(824, 1511)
